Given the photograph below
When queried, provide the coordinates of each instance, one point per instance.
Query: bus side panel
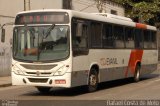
(80, 70)
(149, 61)
(112, 63)
(113, 74)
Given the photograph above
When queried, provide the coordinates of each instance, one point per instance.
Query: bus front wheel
(93, 81)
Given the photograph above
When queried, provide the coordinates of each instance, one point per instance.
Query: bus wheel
(137, 73)
(93, 81)
(43, 89)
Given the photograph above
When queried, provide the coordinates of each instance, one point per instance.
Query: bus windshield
(41, 43)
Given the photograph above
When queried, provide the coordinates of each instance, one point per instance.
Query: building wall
(11, 7)
(5, 48)
(46, 4)
(90, 6)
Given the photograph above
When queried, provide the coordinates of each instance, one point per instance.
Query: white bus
(66, 48)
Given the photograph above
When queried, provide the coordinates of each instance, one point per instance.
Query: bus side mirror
(79, 30)
(3, 35)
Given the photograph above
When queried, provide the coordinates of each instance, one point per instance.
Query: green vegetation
(147, 11)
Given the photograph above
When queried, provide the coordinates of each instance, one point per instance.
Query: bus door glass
(80, 38)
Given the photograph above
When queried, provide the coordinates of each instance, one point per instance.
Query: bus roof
(101, 17)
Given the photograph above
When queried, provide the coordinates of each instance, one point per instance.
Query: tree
(145, 11)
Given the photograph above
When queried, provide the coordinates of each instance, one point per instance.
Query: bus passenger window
(153, 40)
(129, 37)
(107, 36)
(138, 38)
(147, 39)
(118, 34)
(96, 35)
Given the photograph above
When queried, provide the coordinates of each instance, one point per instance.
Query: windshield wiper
(44, 37)
(48, 31)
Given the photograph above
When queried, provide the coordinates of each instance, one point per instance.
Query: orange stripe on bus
(135, 56)
(141, 26)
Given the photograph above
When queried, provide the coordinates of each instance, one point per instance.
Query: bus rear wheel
(43, 89)
(137, 73)
(93, 81)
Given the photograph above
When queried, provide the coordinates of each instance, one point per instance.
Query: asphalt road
(147, 89)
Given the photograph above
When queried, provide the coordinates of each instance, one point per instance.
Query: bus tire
(137, 73)
(93, 80)
(43, 89)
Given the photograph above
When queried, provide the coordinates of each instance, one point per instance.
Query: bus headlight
(17, 71)
(61, 71)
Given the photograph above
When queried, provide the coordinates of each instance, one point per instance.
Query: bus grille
(38, 67)
(41, 74)
(36, 80)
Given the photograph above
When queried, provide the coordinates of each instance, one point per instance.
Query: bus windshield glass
(41, 43)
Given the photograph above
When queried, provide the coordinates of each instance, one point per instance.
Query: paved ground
(5, 81)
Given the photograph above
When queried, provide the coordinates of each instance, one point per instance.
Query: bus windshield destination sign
(42, 18)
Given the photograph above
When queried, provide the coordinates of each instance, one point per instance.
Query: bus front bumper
(51, 81)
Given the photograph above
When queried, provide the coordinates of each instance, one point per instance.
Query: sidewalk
(5, 81)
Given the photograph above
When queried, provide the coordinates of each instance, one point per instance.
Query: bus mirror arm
(3, 31)
(3, 34)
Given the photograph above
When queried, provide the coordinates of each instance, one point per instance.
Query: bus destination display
(42, 18)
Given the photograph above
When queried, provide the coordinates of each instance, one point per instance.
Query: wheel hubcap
(137, 74)
(93, 80)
